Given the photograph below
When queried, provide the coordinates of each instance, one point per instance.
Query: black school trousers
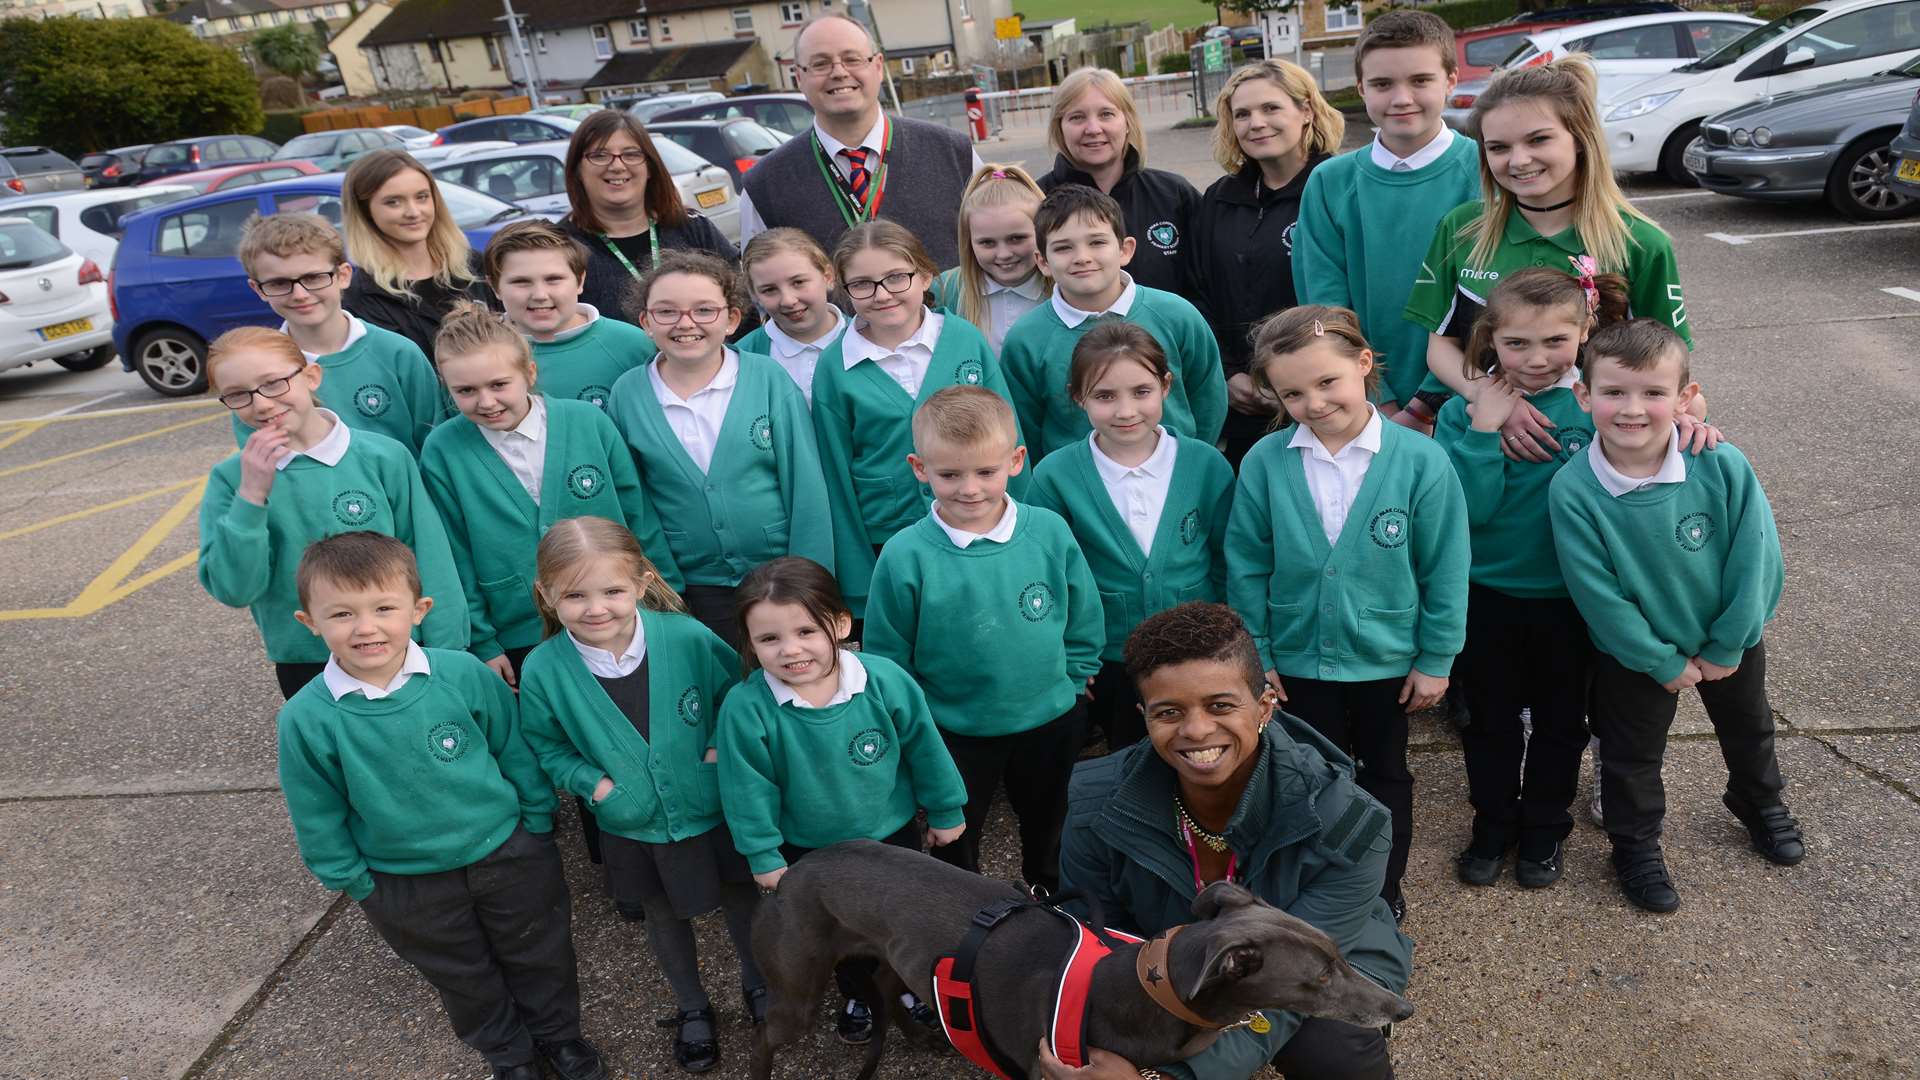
(849, 975)
(1523, 653)
(1368, 723)
(1115, 708)
(1035, 765)
(1330, 1050)
(292, 677)
(494, 938)
(1632, 713)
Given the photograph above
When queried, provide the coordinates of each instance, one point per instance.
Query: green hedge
(1173, 62)
(1463, 14)
(281, 126)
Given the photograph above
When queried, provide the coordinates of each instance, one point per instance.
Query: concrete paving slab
(1895, 758)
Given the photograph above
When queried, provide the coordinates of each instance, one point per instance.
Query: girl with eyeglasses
(414, 261)
(300, 476)
(722, 438)
(897, 353)
(626, 209)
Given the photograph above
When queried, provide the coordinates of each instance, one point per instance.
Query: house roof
(634, 67)
(419, 20)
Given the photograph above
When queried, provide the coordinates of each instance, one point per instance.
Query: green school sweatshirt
(863, 422)
(1357, 244)
(585, 366)
(432, 777)
(663, 788)
(1389, 596)
(1672, 571)
(249, 553)
(854, 771)
(494, 528)
(382, 383)
(1188, 561)
(1001, 636)
(1038, 353)
(1507, 500)
(764, 496)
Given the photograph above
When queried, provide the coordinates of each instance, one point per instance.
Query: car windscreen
(470, 208)
(96, 161)
(300, 146)
(678, 159)
(30, 160)
(750, 137)
(105, 218)
(24, 245)
(1758, 38)
(171, 154)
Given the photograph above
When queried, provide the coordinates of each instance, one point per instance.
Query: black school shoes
(1644, 879)
(1775, 833)
(573, 1059)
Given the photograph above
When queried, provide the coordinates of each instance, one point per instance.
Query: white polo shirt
(696, 420)
(1334, 479)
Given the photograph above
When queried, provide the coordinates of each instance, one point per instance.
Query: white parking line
(1904, 294)
(82, 405)
(1675, 195)
(1748, 238)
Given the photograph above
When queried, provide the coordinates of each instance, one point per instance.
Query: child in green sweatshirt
(722, 439)
(1674, 562)
(411, 790)
(822, 745)
(619, 656)
(989, 605)
(1347, 556)
(538, 272)
(302, 475)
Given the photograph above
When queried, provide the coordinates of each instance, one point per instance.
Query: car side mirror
(1798, 58)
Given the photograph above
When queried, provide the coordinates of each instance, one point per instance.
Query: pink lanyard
(1193, 853)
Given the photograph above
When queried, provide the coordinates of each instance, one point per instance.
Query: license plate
(1910, 169)
(1693, 159)
(65, 329)
(711, 198)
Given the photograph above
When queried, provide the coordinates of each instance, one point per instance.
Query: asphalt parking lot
(155, 920)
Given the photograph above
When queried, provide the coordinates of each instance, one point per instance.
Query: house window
(743, 20)
(433, 49)
(493, 52)
(540, 40)
(637, 29)
(1343, 18)
(906, 65)
(602, 42)
(966, 13)
(792, 14)
(666, 31)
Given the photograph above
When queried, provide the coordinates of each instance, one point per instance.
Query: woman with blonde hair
(1097, 140)
(414, 261)
(1271, 128)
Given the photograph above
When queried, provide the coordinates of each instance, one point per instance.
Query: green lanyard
(653, 242)
(852, 211)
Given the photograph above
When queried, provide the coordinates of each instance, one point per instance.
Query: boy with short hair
(539, 273)
(1084, 247)
(990, 606)
(1674, 562)
(298, 264)
(1366, 217)
(411, 790)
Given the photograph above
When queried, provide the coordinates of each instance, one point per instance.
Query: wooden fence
(430, 117)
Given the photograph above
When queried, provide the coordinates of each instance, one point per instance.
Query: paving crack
(1882, 778)
(84, 796)
(245, 1013)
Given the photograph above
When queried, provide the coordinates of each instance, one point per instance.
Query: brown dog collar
(1156, 978)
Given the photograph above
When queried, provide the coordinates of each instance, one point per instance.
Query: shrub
(1175, 62)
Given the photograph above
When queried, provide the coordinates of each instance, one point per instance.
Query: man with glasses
(856, 163)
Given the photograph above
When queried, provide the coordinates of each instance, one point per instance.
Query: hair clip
(1585, 267)
(1319, 328)
(998, 174)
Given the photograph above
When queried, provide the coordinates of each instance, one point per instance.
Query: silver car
(1830, 142)
(533, 177)
(30, 170)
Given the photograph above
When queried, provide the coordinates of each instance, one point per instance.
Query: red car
(207, 181)
(1482, 48)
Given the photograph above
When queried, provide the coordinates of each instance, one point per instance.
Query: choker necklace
(1545, 209)
(1216, 841)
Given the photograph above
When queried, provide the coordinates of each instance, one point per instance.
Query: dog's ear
(1219, 897)
(1229, 960)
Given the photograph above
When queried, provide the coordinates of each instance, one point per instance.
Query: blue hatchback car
(177, 283)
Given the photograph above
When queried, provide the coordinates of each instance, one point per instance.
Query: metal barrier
(1152, 94)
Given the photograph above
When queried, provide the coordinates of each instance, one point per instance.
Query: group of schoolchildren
(856, 571)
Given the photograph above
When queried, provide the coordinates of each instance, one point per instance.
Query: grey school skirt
(686, 875)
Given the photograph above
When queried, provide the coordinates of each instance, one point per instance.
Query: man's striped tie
(858, 177)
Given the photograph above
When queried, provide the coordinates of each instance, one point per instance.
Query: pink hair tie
(1586, 267)
(998, 174)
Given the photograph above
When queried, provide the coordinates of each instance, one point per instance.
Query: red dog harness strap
(1069, 1032)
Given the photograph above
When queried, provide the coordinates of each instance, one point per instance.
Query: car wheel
(1671, 166)
(172, 361)
(90, 360)
(1860, 186)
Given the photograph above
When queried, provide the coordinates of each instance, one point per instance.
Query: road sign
(1007, 29)
(1214, 54)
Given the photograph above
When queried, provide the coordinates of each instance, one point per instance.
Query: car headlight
(1640, 106)
(1762, 137)
(1740, 137)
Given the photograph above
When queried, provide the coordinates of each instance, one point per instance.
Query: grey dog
(906, 909)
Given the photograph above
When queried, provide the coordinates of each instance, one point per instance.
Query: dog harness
(959, 1009)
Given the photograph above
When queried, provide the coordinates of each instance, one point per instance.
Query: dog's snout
(1403, 1010)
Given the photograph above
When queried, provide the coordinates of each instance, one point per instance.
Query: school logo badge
(1036, 601)
(448, 742)
(688, 707)
(586, 481)
(595, 395)
(372, 399)
(969, 373)
(1164, 235)
(1389, 527)
(1694, 531)
(353, 507)
(760, 432)
(1190, 527)
(868, 747)
(1572, 441)
(1286, 238)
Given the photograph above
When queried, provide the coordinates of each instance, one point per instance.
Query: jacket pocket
(778, 535)
(706, 789)
(1386, 633)
(627, 808)
(1199, 590)
(507, 593)
(1289, 630)
(1122, 615)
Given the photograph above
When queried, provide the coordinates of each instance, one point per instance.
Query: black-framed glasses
(896, 283)
(632, 157)
(824, 65)
(670, 316)
(282, 286)
(272, 388)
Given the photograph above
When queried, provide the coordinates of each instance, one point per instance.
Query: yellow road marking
(101, 509)
(25, 431)
(105, 446)
(111, 586)
(105, 414)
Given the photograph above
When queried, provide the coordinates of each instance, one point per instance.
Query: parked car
(211, 152)
(1481, 49)
(648, 108)
(522, 128)
(445, 152)
(1251, 41)
(53, 302)
(176, 283)
(208, 181)
(788, 114)
(1650, 125)
(113, 168)
(32, 169)
(414, 137)
(534, 177)
(1905, 148)
(1623, 51)
(333, 151)
(735, 145)
(1831, 142)
(571, 112)
(89, 222)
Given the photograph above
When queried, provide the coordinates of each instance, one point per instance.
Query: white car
(89, 221)
(533, 176)
(53, 302)
(1650, 124)
(415, 138)
(1624, 51)
(647, 108)
(445, 152)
